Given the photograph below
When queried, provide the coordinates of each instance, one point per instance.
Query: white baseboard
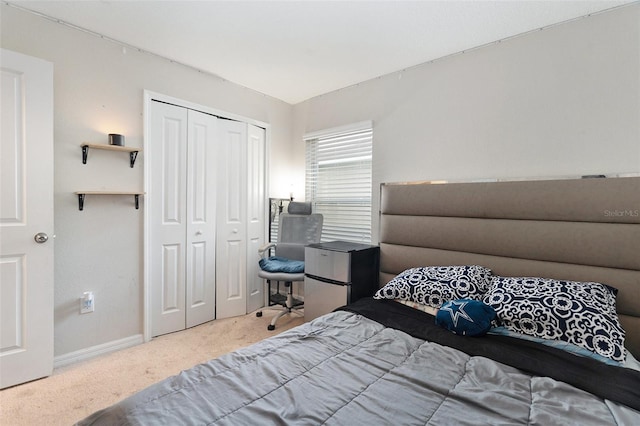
(94, 351)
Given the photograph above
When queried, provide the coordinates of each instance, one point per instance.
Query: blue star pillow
(466, 317)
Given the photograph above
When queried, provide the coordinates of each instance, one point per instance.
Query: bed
(384, 360)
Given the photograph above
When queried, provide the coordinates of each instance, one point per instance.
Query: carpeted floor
(75, 391)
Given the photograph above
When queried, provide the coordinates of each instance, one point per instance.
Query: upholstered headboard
(574, 229)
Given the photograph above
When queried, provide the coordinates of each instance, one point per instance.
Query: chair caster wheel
(271, 327)
(259, 314)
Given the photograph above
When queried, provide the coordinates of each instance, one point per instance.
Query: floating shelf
(81, 196)
(133, 152)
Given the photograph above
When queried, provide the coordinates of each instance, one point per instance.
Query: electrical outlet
(87, 302)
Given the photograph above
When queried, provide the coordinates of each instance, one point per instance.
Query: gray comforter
(344, 369)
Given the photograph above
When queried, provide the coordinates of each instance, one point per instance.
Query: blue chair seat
(281, 269)
(281, 264)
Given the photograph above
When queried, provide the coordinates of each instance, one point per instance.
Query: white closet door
(255, 214)
(201, 219)
(231, 261)
(206, 217)
(182, 228)
(167, 202)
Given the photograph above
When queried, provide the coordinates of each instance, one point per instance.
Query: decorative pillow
(434, 285)
(466, 317)
(581, 313)
(281, 264)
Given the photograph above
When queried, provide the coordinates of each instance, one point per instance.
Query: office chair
(296, 229)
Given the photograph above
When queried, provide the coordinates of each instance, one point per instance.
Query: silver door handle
(41, 237)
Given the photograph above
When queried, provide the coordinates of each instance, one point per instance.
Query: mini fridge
(338, 273)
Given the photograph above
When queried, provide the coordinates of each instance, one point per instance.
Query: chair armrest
(265, 248)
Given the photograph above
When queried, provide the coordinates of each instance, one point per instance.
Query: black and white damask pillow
(581, 313)
(434, 285)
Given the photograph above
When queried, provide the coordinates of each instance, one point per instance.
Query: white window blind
(338, 181)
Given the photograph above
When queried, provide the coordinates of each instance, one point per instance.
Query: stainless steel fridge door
(330, 264)
(321, 297)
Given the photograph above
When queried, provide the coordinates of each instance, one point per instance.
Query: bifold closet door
(182, 222)
(256, 213)
(241, 217)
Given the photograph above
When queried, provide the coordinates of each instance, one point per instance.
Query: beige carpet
(75, 391)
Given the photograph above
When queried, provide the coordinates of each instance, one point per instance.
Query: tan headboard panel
(574, 229)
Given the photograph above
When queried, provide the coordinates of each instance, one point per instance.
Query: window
(338, 181)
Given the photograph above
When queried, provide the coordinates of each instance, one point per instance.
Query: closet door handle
(198, 232)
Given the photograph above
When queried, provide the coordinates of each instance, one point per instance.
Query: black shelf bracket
(137, 198)
(81, 201)
(85, 152)
(132, 158)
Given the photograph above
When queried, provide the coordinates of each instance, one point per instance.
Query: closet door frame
(148, 98)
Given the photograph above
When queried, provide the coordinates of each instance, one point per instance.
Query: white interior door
(26, 209)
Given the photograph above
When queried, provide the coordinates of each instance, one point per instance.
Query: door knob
(41, 237)
(198, 232)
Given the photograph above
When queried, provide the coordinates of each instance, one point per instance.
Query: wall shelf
(133, 152)
(81, 196)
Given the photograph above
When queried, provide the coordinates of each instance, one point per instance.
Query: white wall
(98, 89)
(556, 102)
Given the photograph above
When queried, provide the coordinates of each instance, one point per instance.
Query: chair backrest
(295, 231)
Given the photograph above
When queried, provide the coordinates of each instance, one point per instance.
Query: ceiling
(295, 50)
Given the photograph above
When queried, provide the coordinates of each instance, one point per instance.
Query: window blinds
(338, 182)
